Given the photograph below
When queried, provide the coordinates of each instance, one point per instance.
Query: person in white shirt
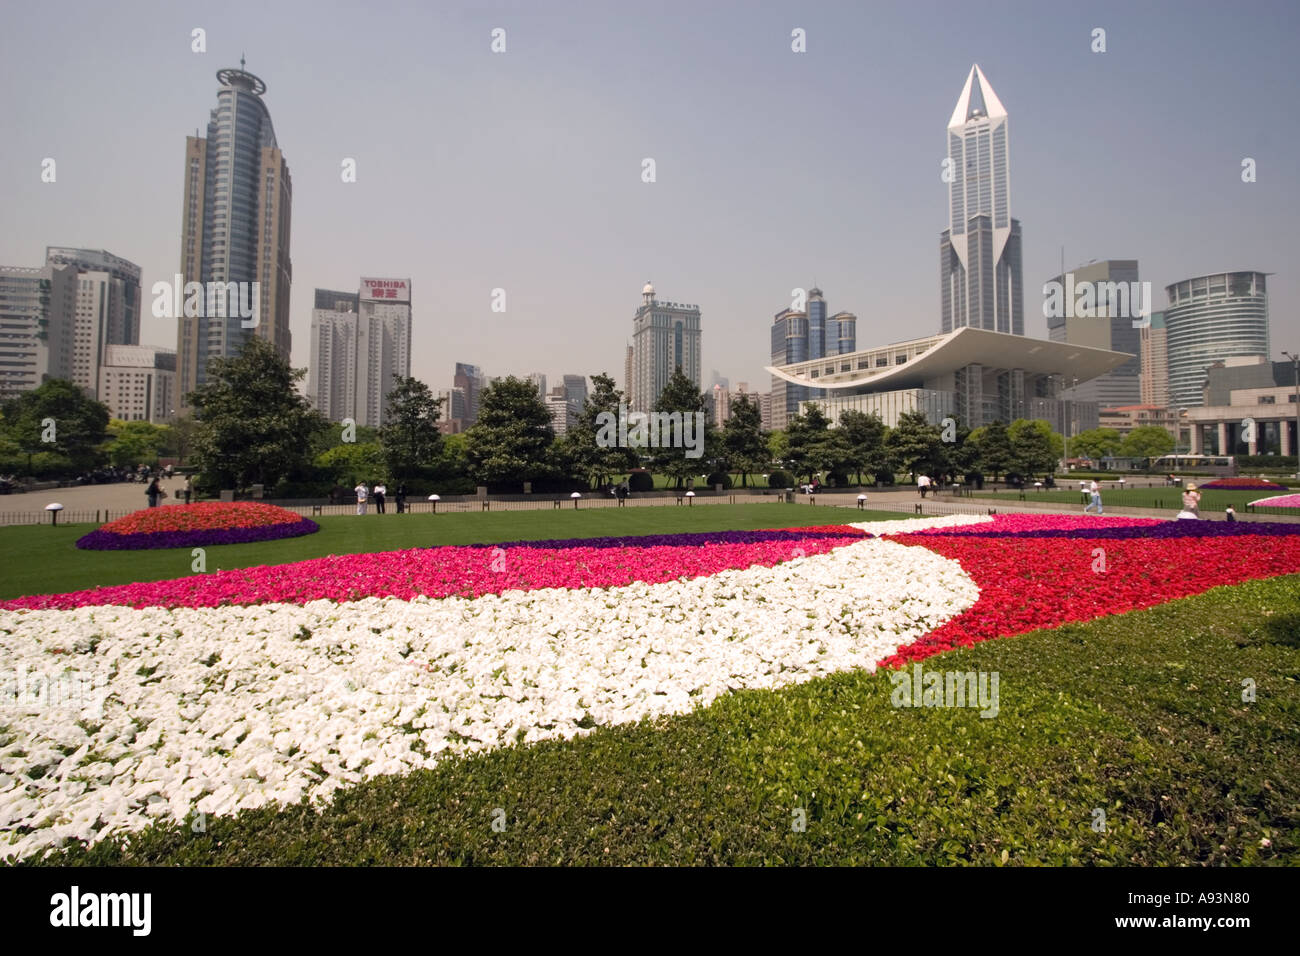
(1095, 490)
(922, 484)
(362, 494)
(380, 491)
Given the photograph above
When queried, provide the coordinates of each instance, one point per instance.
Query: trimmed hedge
(641, 481)
(720, 478)
(780, 479)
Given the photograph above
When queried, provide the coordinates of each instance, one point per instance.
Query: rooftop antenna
(241, 60)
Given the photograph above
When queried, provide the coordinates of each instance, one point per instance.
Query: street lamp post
(1295, 446)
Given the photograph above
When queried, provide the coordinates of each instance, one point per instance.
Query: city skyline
(536, 189)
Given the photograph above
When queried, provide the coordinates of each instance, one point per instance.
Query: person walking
(401, 497)
(1191, 501)
(362, 494)
(1094, 490)
(922, 484)
(154, 492)
(381, 490)
(189, 487)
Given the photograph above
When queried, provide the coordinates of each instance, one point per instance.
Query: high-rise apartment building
(234, 231)
(38, 310)
(1154, 354)
(1213, 318)
(107, 311)
(1104, 299)
(665, 337)
(979, 252)
(360, 346)
(138, 383)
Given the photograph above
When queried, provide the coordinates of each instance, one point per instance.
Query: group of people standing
(380, 493)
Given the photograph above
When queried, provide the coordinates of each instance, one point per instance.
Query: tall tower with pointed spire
(979, 252)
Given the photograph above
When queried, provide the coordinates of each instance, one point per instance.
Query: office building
(1248, 407)
(979, 252)
(138, 383)
(108, 307)
(538, 381)
(471, 381)
(564, 412)
(1208, 319)
(665, 337)
(38, 309)
(234, 231)
(1097, 305)
(802, 335)
(575, 389)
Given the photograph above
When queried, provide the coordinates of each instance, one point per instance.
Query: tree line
(253, 426)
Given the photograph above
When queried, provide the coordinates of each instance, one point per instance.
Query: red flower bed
(179, 526)
(1031, 583)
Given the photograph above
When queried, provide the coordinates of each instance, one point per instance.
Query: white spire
(976, 94)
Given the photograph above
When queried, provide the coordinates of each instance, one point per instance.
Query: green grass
(1139, 715)
(1169, 499)
(39, 559)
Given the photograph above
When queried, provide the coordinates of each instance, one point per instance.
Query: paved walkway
(89, 503)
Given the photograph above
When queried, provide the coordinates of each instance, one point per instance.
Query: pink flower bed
(445, 571)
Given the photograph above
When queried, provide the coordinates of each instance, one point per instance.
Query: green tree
(350, 462)
(743, 444)
(1147, 441)
(585, 451)
(409, 438)
(916, 444)
(57, 418)
(993, 449)
(511, 441)
(1096, 443)
(813, 445)
(135, 443)
(254, 426)
(178, 438)
(680, 395)
(1031, 446)
(865, 439)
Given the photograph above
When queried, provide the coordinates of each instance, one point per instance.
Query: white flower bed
(214, 709)
(909, 525)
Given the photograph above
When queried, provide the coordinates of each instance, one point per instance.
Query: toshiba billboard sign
(386, 290)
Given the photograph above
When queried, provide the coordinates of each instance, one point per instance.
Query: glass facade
(1211, 319)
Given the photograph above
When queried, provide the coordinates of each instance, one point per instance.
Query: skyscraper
(1106, 322)
(234, 229)
(1155, 362)
(108, 308)
(1213, 318)
(665, 337)
(360, 344)
(798, 336)
(979, 252)
(575, 390)
(468, 378)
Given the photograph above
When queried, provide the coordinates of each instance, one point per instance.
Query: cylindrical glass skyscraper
(1209, 319)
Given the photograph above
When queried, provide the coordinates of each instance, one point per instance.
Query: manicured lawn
(1140, 716)
(1212, 502)
(39, 559)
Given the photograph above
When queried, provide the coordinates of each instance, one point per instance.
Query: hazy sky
(522, 170)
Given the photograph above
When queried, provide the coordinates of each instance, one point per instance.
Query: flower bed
(265, 686)
(1278, 501)
(1242, 484)
(209, 710)
(206, 523)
